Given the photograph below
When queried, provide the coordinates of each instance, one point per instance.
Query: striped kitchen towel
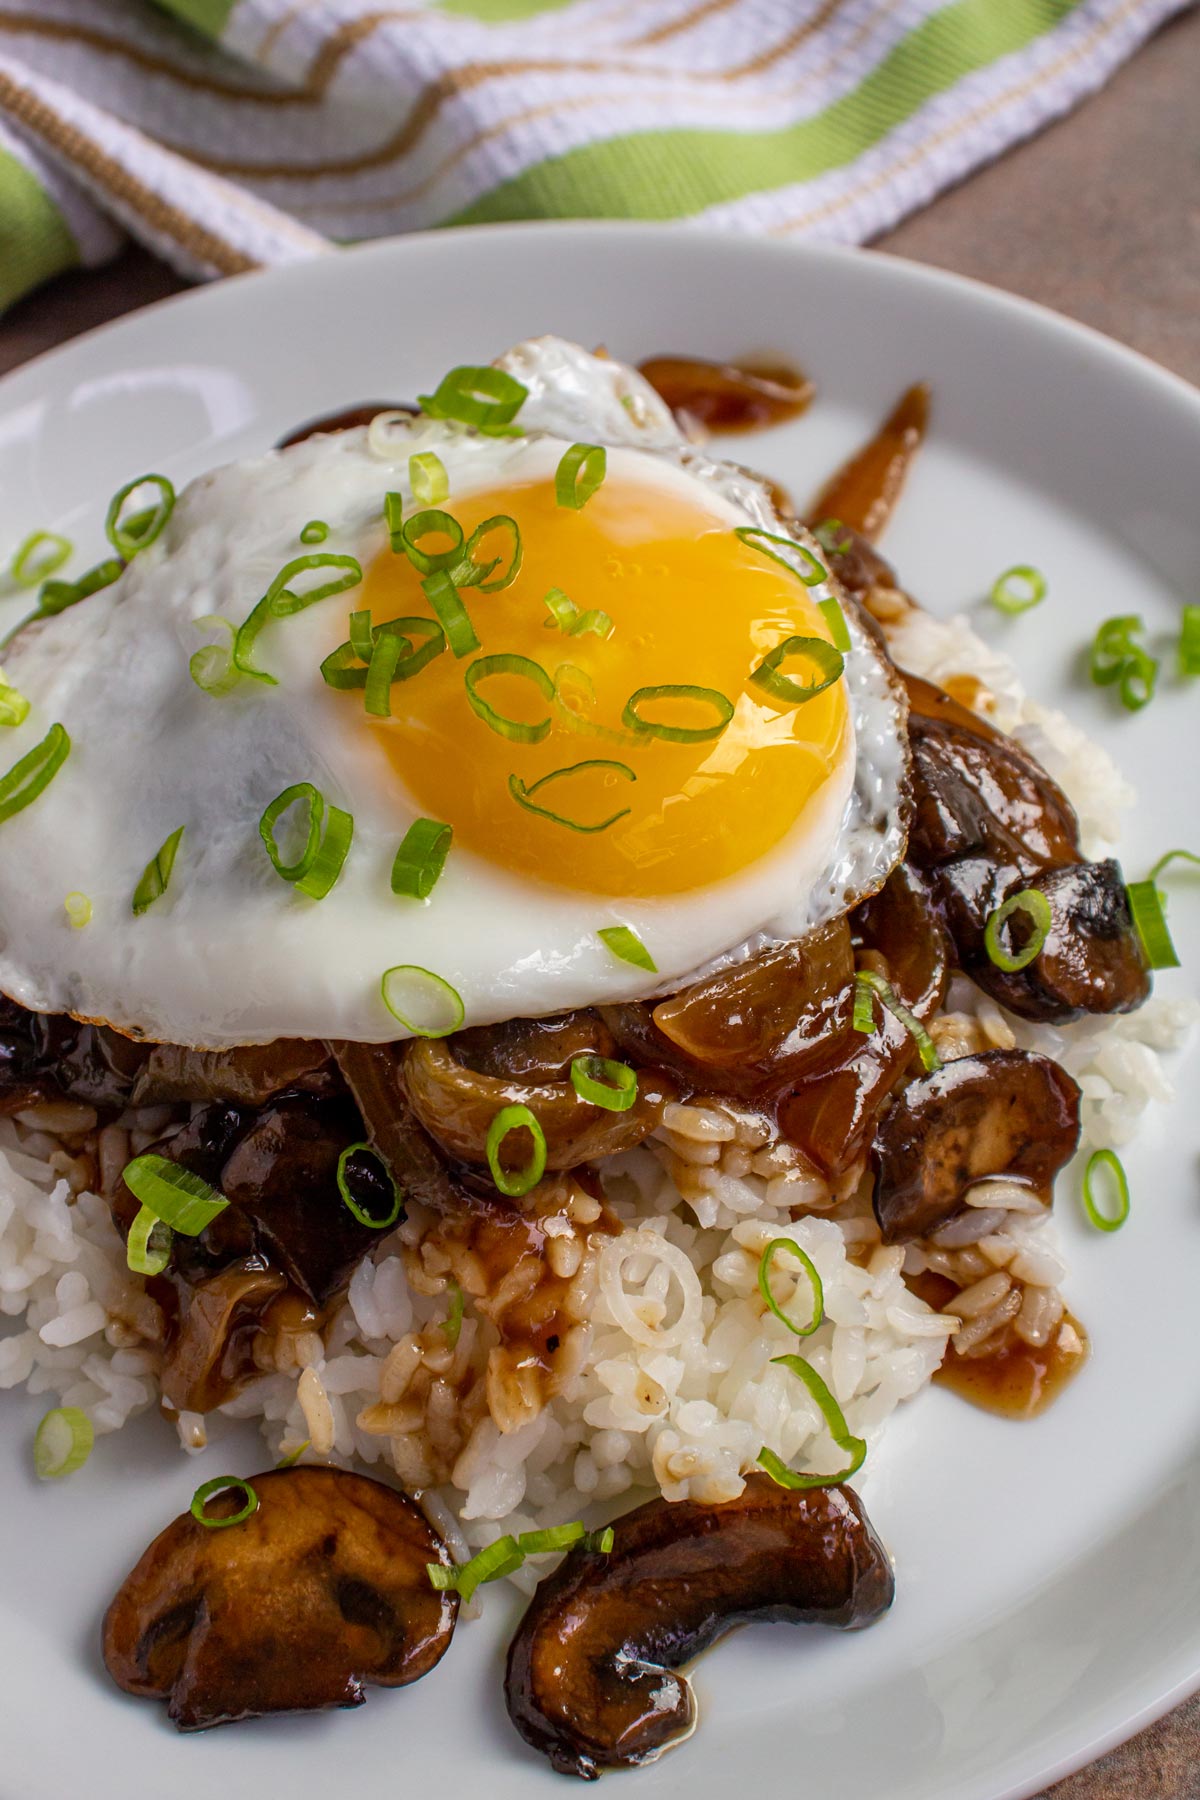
(228, 134)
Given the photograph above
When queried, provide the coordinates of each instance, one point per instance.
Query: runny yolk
(690, 604)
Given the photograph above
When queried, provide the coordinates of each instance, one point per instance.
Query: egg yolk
(690, 604)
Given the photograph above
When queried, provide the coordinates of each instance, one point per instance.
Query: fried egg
(736, 819)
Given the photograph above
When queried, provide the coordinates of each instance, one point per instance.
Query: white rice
(673, 1385)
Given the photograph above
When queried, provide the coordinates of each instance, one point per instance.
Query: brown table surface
(1098, 217)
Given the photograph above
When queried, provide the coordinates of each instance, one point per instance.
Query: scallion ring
(62, 1443)
(362, 637)
(523, 794)
(428, 521)
(499, 1558)
(14, 707)
(1171, 856)
(323, 856)
(567, 616)
(508, 663)
(1138, 679)
(129, 534)
(58, 596)
(421, 858)
(829, 664)
(315, 532)
(867, 982)
(798, 561)
(486, 397)
(625, 943)
(428, 479)
(1018, 589)
(602, 1082)
(677, 734)
(1189, 641)
(1111, 1162)
(396, 1210)
(515, 1182)
(580, 473)
(173, 1194)
(809, 1268)
(424, 1003)
(148, 1246)
(835, 618)
(453, 617)
(221, 1484)
(41, 555)
(78, 909)
(833, 536)
(213, 669)
(157, 874)
(1150, 922)
(471, 571)
(1035, 908)
(282, 602)
(835, 1419)
(388, 649)
(342, 668)
(33, 773)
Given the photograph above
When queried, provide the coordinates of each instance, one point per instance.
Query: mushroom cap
(591, 1676)
(321, 1591)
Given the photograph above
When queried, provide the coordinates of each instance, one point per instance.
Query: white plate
(1048, 1574)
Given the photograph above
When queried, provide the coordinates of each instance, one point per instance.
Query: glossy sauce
(726, 397)
(865, 490)
(1018, 1380)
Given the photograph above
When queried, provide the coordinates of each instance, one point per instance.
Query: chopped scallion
(424, 1003)
(1189, 641)
(809, 1268)
(567, 616)
(1171, 856)
(678, 734)
(157, 874)
(829, 664)
(41, 555)
(431, 521)
(580, 474)
(1110, 1162)
(213, 669)
(129, 533)
(1035, 908)
(487, 398)
(148, 1246)
(218, 1485)
(1117, 658)
(515, 1182)
(428, 479)
(625, 943)
(33, 773)
(833, 536)
(281, 601)
(1150, 922)
(323, 856)
(396, 1210)
(602, 1082)
(508, 663)
(14, 707)
(854, 1447)
(78, 909)
(173, 1194)
(62, 1443)
(470, 571)
(1018, 589)
(453, 617)
(452, 1323)
(866, 981)
(835, 618)
(421, 858)
(523, 794)
(798, 561)
(315, 532)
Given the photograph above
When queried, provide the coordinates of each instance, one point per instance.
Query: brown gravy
(865, 490)
(726, 397)
(1018, 1380)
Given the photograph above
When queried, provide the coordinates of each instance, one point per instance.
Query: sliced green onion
(14, 707)
(522, 794)
(568, 618)
(1189, 641)
(829, 661)
(855, 1448)
(78, 909)
(1138, 679)
(1116, 658)
(362, 638)
(33, 564)
(1018, 589)
(833, 536)
(223, 1484)
(499, 1559)
(148, 1246)
(567, 675)
(315, 532)
(293, 1456)
(1036, 908)
(452, 1323)
(508, 663)
(453, 617)
(867, 982)
(342, 669)
(863, 1018)
(173, 1194)
(282, 602)
(323, 857)
(553, 1539)
(678, 734)
(515, 1182)
(469, 572)
(33, 773)
(387, 650)
(599, 1543)
(835, 618)
(1110, 1161)
(421, 858)
(131, 533)
(396, 1210)
(1145, 904)
(157, 874)
(57, 596)
(62, 1443)
(428, 479)
(213, 669)
(424, 1003)
(422, 524)
(579, 474)
(485, 397)
(1170, 856)
(625, 943)
(602, 1082)
(809, 1268)
(799, 561)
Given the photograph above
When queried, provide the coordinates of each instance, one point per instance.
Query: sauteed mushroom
(250, 1075)
(721, 397)
(374, 1073)
(1007, 1112)
(591, 1676)
(321, 1592)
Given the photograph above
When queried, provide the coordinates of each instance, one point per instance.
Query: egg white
(233, 955)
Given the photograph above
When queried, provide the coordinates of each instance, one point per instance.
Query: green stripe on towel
(37, 241)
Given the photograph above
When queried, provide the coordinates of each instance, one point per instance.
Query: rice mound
(669, 1382)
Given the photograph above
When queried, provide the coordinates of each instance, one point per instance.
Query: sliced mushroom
(592, 1679)
(210, 1349)
(250, 1076)
(374, 1073)
(1007, 1112)
(989, 822)
(721, 397)
(321, 1592)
